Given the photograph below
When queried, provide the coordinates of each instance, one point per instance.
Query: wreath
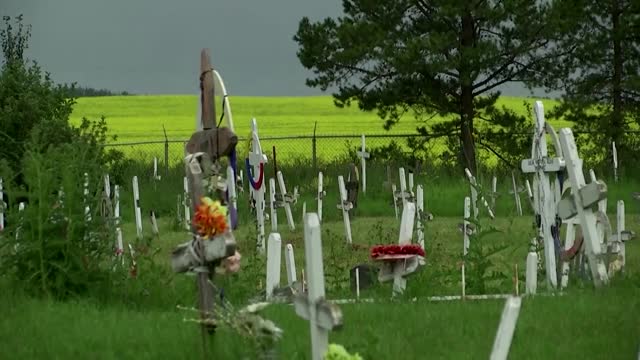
(394, 249)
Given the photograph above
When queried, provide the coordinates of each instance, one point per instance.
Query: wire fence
(315, 150)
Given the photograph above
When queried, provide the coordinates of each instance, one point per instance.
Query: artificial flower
(408, 249)
(210, 218)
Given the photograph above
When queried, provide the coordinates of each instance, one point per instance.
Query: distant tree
(433, 57)
(601, 77)
(82, 91)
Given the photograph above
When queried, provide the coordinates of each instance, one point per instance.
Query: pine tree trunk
(616, 128)
(467, 40)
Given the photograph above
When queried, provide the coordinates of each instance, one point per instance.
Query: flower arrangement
(338, 352)
(395, 249)
(210, 218)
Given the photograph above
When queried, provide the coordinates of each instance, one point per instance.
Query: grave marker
(290, 264)
(273, 205)
(287, 200)
(345, 206)
(395, 202)
(136, 207)
(255, 164)
(186, 198)
(541, 165)
(421, 216)
(274, 251)
(583, 197)
(363, 155)
(516, 194)
(116, 215)
(321, 195)
(507, 327)
(322, 315)
(474, 196)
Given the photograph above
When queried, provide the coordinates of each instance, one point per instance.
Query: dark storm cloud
(152, 46)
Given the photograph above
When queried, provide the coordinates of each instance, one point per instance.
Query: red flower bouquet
(396, 251)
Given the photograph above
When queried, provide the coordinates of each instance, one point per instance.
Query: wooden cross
(321, 195)
(136, 205)
(516, 193)
(345, 206)
(290, 264)
(583, 197)
(3, 205)
(323, 316)
(287, 200)
(257, 158)
(541, 165)
(363, 155)
(506, 329)
(273, 204)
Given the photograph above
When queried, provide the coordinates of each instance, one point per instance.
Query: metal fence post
(314, 154)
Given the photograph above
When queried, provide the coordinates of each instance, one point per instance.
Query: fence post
(314, 157)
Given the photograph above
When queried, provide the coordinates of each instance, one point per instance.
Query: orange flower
(210, 218)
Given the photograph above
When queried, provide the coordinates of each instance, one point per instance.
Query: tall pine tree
(432, 57)
(601, 76)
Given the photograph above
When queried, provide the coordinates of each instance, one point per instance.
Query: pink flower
(232, 263)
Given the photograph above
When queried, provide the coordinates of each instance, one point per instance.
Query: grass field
(139, 319)
(140, 118)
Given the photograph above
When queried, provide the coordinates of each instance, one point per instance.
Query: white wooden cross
(363, 155)
(410, 189)
(622, 235)
(321, 195)
(186, 205)
(2, 206)
(583, 196)
(136, 204)
(506, 329)
(541, 165)
(287, 200)
(273, 205)
(397, 267)
(421, 215)
(322, 315)
(474, 196)
(615, 161)
(274, 253)
(516, 194)
(116, 217)
(345, 206)
(290, 264)
(256, 157)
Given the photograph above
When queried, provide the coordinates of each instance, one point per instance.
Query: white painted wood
(602, 204)
(304, 209)
(620, 227)
(309, 309)
(363, 155)
(516, 194)
(421, 215)
(290, 264)
(411, 183)
(531, 274)
(185, 202)
(274, 251)
(587, 218)
(136, 205)
(87, 208)
(285, 201)
(272, 205)
(233, 192)
(116, 215)
(154, 224)
(494, 191)
(107, 186)
(395, 201)
(541, 165)
(156, 176)
(344, 206)
(21, 207)
(466, 223)
(474, 196)
(507, 327)
(407, 224)
(358, 283)
(403, 187)
(2, 205)
(321, 194)
(464, 282)
(615, 160)
(257, 157)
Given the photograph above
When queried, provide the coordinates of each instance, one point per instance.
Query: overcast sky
(153, 46)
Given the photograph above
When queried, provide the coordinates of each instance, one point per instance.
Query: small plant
(338, 352)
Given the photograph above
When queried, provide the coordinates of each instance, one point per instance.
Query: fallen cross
(345, 206)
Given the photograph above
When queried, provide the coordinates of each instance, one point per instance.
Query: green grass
(140, 118)
(145, 324)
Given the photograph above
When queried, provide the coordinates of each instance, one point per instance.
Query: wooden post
(208, 114)
(274, 253)
(345, 206)
(507, 327)
(364, 155)
(136, 204)
(321, 195)
(290, 264)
